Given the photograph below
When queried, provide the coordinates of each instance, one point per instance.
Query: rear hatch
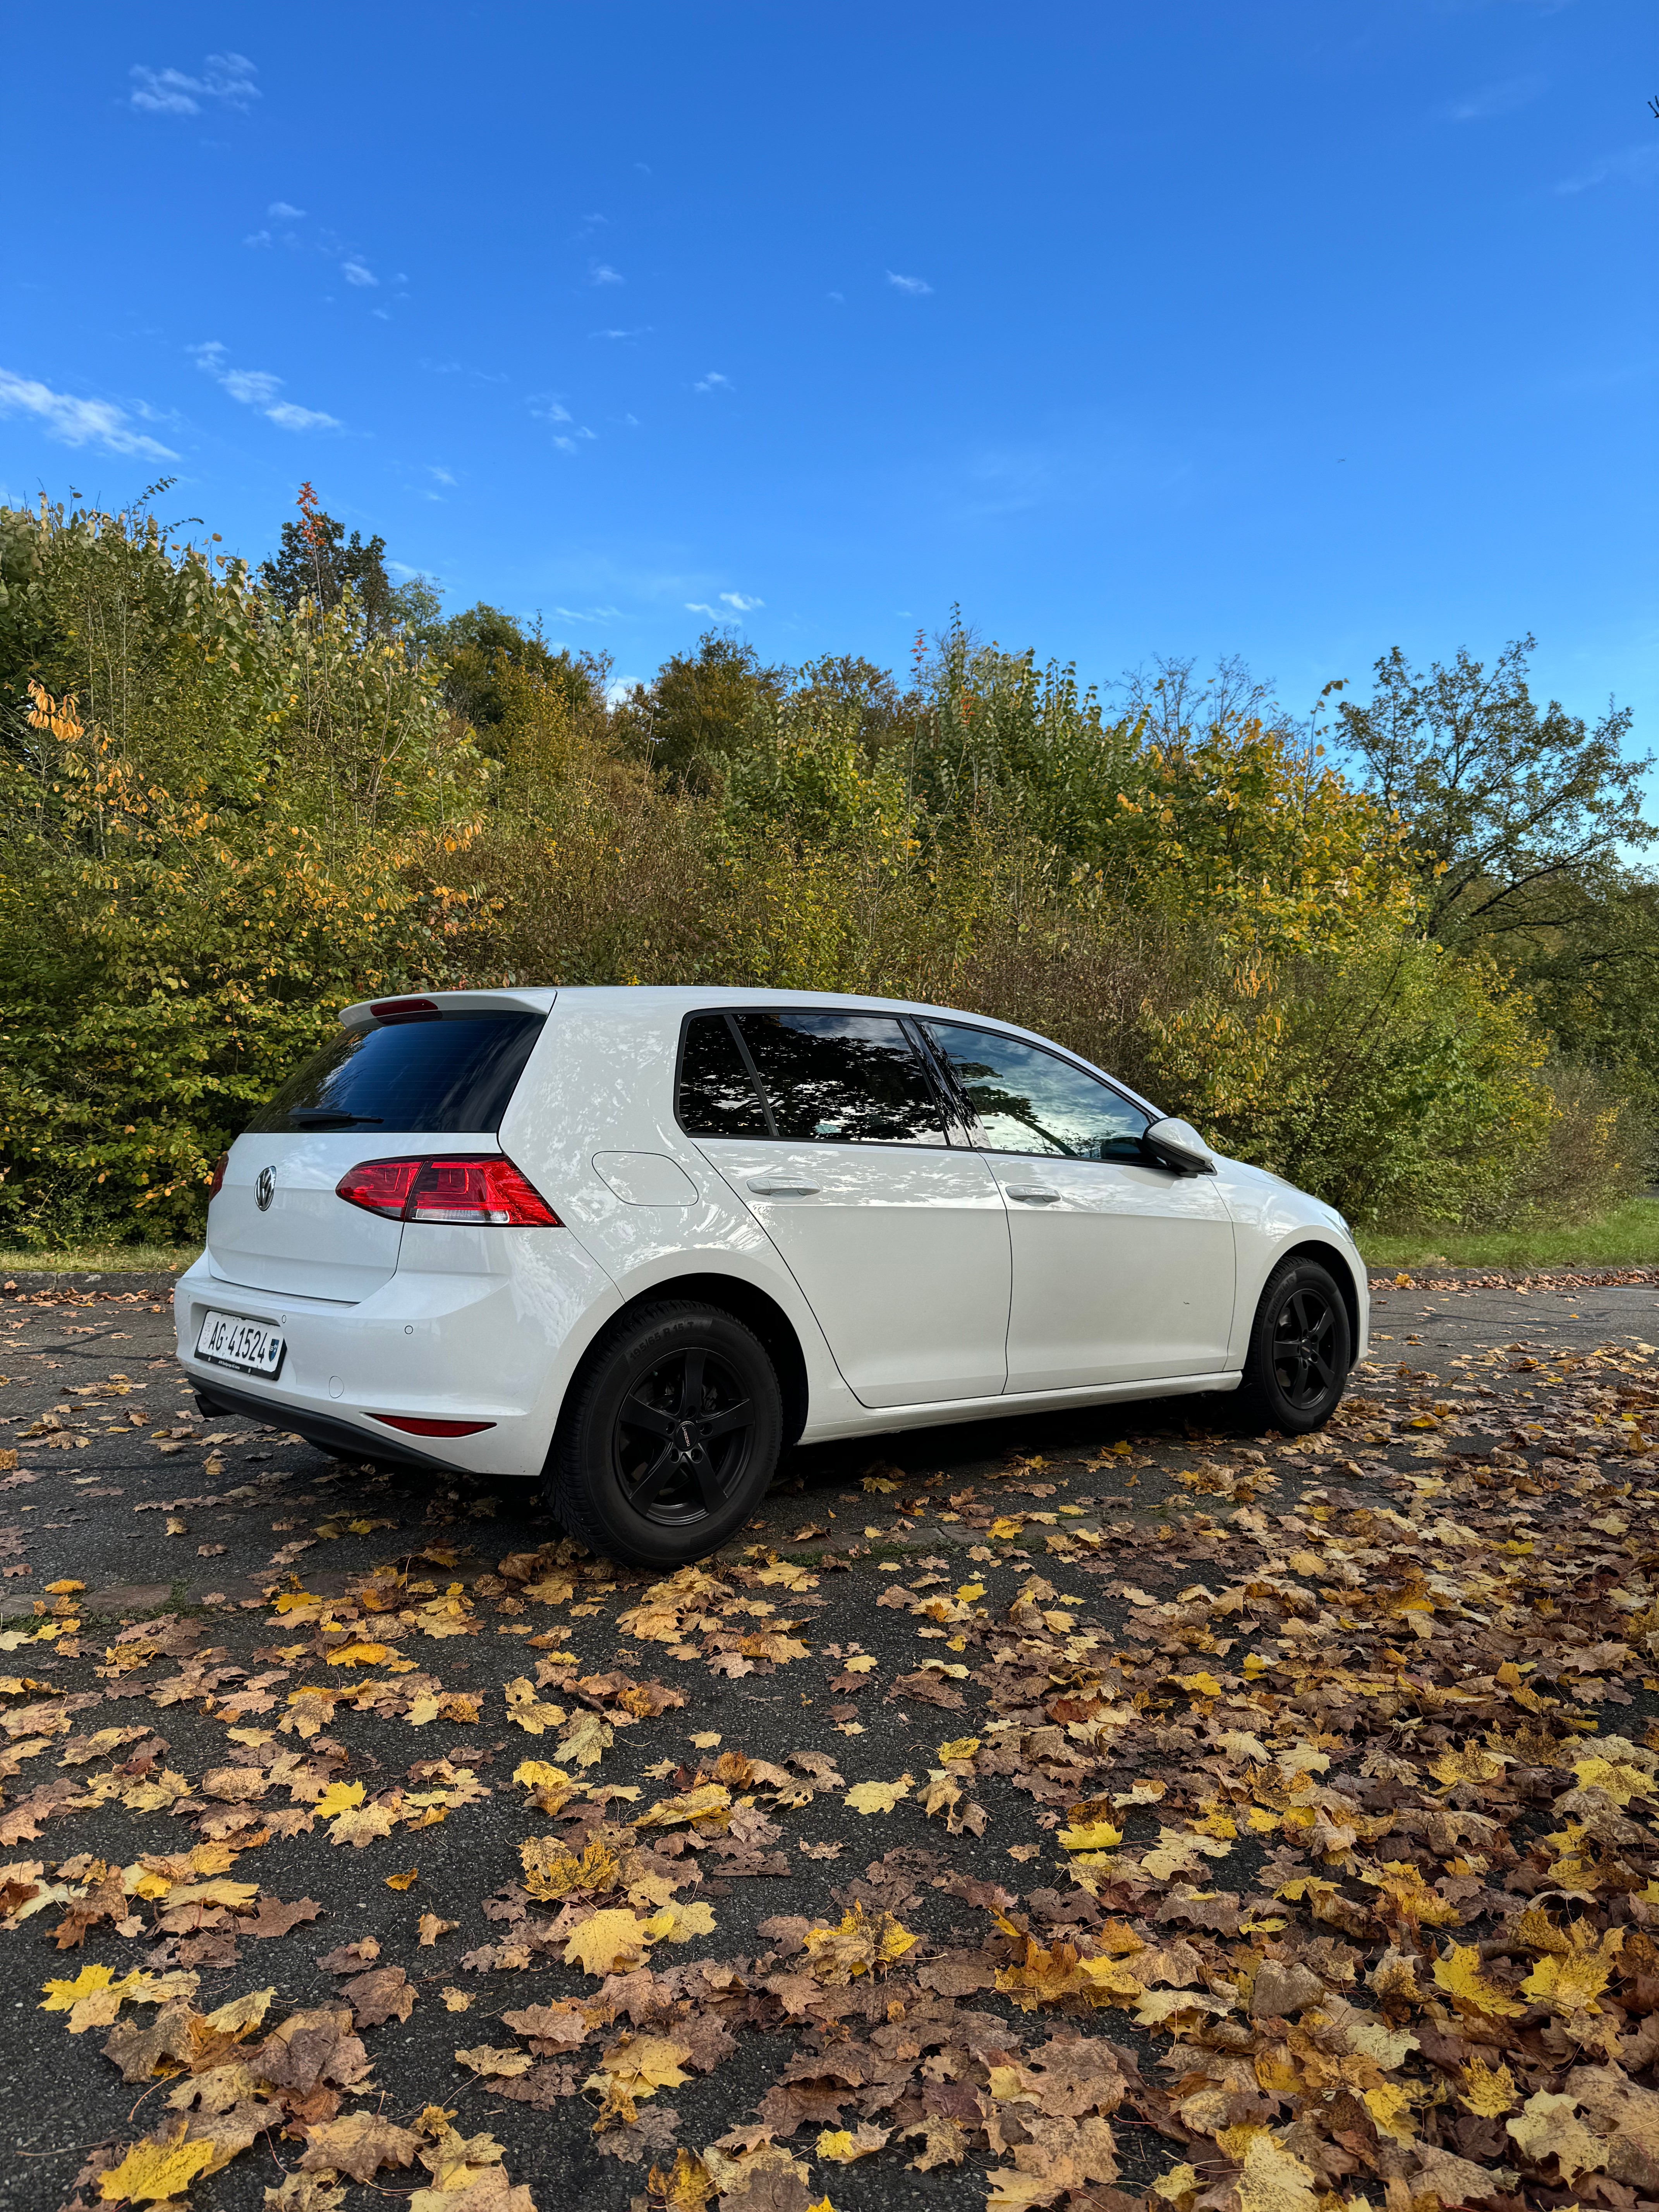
(408, 1077)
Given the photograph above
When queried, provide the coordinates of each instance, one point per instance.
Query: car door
(1122, 1271)
(830, 1129)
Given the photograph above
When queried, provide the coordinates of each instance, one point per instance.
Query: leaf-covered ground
(1143, 1815)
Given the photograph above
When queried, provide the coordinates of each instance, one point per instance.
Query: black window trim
(953, 1113)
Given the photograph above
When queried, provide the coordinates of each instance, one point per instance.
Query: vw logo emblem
(265, 1189)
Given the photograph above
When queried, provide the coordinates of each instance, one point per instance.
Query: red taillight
(413, 1426)
(217, 1181)
(379, 1185)
(475, 1189)
(405, 1010)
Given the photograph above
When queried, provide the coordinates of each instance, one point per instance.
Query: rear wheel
(1301, 1349)
(669, 1437)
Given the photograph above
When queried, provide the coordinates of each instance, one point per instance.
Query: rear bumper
(441, 1339)
(346, 1439)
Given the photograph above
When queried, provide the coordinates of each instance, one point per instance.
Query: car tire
(669, 1438)
(1300, 1351)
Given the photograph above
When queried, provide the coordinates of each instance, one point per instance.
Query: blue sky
(1294, 330)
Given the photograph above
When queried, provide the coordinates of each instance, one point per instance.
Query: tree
(482, 648)
(702, 706)
(316, 561)
(1509, 813)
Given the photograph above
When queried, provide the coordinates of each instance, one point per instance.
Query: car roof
(646, 1001)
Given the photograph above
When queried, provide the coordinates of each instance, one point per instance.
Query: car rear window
(717, 1097)
(454, 1074)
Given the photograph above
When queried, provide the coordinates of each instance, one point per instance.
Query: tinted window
(1031, 1101)
(843, 1079)
(454, 1074)
(718, 1096)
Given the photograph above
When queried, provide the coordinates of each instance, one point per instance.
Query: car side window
(1027, 1100)
(717, 1093)
(842, 1079)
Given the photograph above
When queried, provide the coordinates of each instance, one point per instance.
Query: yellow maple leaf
(1089, 1836)
(1270, 2178)
(360, 1654)
(1571, 1984)
(606, 1940)
(402, 1880)
(1489, 2093)
(1458, 1973)
(1389, 2105)
(859, 1664)
(1547, 2126)
(156, 2170)
(339, 1797)
(639, 2065)
(679, 1924)
(61, 1996)
(961, 1746)
(868, 1797)
(1005, 1525)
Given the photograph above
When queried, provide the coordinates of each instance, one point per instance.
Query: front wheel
(1301, 1349)
(669, 1437)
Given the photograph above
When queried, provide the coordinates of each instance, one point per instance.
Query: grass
(1628, 1236)
(101, 1259)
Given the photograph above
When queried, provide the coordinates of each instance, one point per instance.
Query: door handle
(1031, 1193)
(765, 1187)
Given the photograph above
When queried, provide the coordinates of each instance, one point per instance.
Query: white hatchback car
(634, 1243)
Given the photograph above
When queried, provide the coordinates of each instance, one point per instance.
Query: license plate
(233, 1341)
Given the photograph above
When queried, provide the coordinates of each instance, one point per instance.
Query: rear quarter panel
(602, 1084)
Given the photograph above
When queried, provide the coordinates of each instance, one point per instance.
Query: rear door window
(842, 1079)
(451, 1074)
(717, 1093)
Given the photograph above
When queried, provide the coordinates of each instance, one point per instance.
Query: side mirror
(1176, 1143)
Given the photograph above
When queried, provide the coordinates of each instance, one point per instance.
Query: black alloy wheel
(683, 1436)
(669, 1438)
(1300, 1350)
(1304, 1347)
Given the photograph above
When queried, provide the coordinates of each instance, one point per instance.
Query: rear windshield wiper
(330, 1117)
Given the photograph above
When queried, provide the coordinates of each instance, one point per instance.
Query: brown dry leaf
(1548, 2126)
(431, 1927)
(493, 2060)
(359, 2144)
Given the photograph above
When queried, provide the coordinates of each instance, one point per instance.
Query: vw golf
(632, 1243)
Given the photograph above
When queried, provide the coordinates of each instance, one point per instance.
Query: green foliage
(226, 808)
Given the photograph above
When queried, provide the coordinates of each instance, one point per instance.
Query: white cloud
(713, 382)
(601, 272)
(257, 238)
(644, 331)
(1502, 98)
(76, 421)
(440, 476)
(287, 416)
(743, 606)
(258, 387)
(698, 607)
(355, 272)
(546, 409)
(840, 298)
(225, 77)
(280, 211)
(914, 284)
(589, 614)
(1632, 164)
(253, 387)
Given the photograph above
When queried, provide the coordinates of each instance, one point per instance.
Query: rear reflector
(477, 1190)
(217, 1183)
(413, 1426)
(405, 1010)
